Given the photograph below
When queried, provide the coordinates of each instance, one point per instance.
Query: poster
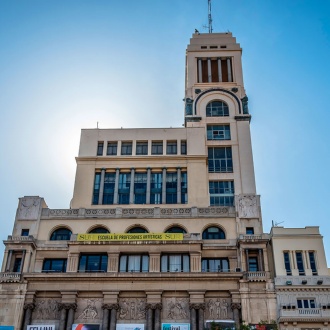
(175, 326)
(129, 326)
(83, 326)
(41, 327)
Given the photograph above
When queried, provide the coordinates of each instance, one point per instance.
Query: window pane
(217, 109)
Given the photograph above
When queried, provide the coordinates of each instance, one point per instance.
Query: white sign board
(175, 326)
(41, 327)
(129, 326)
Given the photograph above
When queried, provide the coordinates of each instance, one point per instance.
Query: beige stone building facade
(164, 230)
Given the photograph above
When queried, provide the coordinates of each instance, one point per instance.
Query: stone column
(27, 262)
(260, 268)
(247, 259)
(200, 75)
(10, 255)
(148, 185)
(63, 316)
(113, 316)
(164, 186)
(230, 77)
(265, 260)
(105, 319)
(178, 189)
(209, 70)
(201, 308)
(149, 316)
(115, 195)
(236, 308)
(158, 309)
(71, 312)
(219, 69)
(131, 188)
(23, 261)
(100, 202)
(192, 317)
(28, 314)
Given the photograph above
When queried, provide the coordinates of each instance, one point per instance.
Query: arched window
(99, 230)
(213, 233)
(61, 234)
(137, 230)
(217, 109)
(176, 229)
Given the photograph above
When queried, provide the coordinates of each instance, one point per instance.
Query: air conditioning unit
(304, 282)
(238, 269)
(324, 307)
(288, 282)
(319, 282)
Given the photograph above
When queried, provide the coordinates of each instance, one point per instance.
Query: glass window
(137, 230)
(176, 229)
(126, 148)
(312, 262)
(140, 188)
(213, 233)
(217, 109)
(17, 265)
(220, 160)
(157, 148)
(253, 264)
(112, 149)
(93, 263)
(134, 263)
(99, 230)
(99, 149)
(287, 263)
(184, 188)
(124, 187)
(215, 265)
(183, 147)
(171, 148)
(54, 265)
(142, 147)
(109, 188)
(156, 183)
(221, 193)
(61, 234)
(218, 132)
(25, 232)
(96, 190)
(249, 231)
(175, 263)
(300, 263)
(171, 187)
(306, 303)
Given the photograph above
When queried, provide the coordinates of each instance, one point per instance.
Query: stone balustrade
(10, 277)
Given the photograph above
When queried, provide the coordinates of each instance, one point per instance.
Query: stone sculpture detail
(47, 309)
(132, 309)
(90, 311)
(176, 308)
(217, 309)
(247, 206)
(29, 208)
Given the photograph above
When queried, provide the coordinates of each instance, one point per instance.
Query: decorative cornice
(30, 306)
(235, 306)
(243, 118)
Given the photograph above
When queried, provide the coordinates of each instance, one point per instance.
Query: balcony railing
(10, 277)
(260, 276)
(301, 312)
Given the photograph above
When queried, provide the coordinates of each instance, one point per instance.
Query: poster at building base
(175, 326)
(129, 326)
(83, 326)
(41, 327)
(6, 327)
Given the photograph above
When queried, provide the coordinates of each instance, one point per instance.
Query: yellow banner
(130, 237)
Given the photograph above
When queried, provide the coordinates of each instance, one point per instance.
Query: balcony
(10, 277)
(300, 313)
(253, 238)
(260, 276)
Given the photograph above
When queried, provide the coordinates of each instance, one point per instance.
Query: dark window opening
(100, 149)
(54, 266)
(93, 263)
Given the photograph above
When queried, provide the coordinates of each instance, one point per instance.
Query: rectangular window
(109, 188)
(54, 266)
(93, 263)
(134, 263)
(215, 265)
(175, 263)
(126, 148)
(156, 182)
(157, 148)
(220, 160)
(124, 187)
(253, 264)
(112, 149)
(221, 193)
(218, 132)
(184, 188)
(25, 232)
(17, 265)
(306, 303)
(249, 231)
(140, 188)
(142, 147)
(171, 148)
(99, 149)
(171, 187)
(96, 190)
(287, 263)
(312, 262)
(300, 263)
(183, 147)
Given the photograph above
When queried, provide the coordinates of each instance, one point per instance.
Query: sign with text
(41, 327)
(6, 327)
(175, 326)
(131, 237)
(129, 326)
(83, 326)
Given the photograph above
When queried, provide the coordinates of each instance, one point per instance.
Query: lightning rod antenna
(210, 16)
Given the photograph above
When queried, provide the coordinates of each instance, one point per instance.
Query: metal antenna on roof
(210, 16)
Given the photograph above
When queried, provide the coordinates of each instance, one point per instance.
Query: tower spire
(210, 16)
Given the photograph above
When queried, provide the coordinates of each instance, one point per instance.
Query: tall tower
(215, 99)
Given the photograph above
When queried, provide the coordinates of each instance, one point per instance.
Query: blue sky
(66, 65)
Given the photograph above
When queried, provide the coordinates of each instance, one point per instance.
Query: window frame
(218, 132)
(54, 235)
(221, 267)
(220, 159)
(157, 147)
(166, 263)
(207, 234)
(100, 147)
(222, 193)
(217, 108)
(171, 147)
(126, 148)
(50, 261)
(102, 263)
(141, 148)
(125, 258)
(112, 148)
